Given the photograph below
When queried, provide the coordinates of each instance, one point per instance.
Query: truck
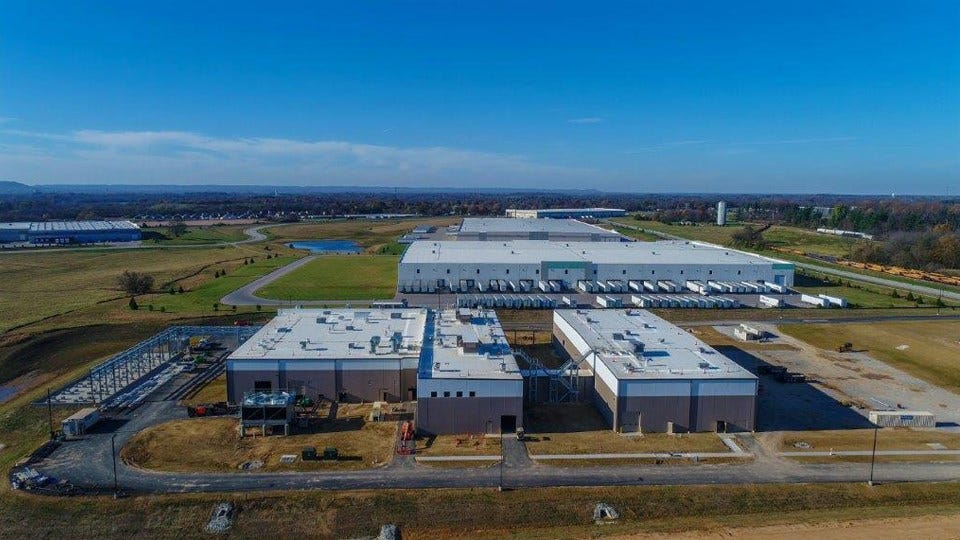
(80, 422)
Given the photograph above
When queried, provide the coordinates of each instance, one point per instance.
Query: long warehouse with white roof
(651, 376)
(559, 230)
(523, 265)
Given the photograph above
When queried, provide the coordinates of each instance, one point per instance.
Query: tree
(134, 283)
(133, 303)
(178, 229)
(180, 290)
(748, 237)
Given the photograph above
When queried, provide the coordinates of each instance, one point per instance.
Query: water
(327, 246)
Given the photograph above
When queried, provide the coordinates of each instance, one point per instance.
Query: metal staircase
(564, 382)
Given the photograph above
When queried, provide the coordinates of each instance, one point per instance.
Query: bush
(259, 307)
(180, 290)
(134, 283)
(895, 294)
(163, 309)
(133, 303)
(216, 306)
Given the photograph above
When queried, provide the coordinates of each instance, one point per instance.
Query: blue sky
(852, 97)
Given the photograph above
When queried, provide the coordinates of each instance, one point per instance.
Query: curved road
(922, 289)
(87, 463)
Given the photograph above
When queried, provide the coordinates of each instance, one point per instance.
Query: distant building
(559, 230)
(651, 376)
(69, 232)
(566, 213)
(721, 213)
(520, 265)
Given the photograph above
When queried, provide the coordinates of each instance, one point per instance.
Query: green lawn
(213, 234)
(338, 277)
(212, 290)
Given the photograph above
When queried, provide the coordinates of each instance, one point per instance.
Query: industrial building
(651, 376)
(566, 213)
(457, 365)
(68, 232)
(342, 355)
(506, 229)
(528, 265)
(468, 381)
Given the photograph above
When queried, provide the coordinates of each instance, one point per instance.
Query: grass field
(213, 444)
(864, 296)
(34, 286)
(213, 234)
(931, 352)
(579, 429)
(862, 439)
(338, 277)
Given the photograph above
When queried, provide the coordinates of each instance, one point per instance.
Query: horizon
(686, 98)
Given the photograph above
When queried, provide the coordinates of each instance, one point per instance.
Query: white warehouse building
(524, 265)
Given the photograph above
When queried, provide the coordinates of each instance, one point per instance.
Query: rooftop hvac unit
(396, 315)
(374, 343)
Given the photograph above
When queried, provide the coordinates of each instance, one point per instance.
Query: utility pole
(113, 453)
(53, 433)
(873, 455)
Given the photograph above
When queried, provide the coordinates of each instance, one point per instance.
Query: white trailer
(634, 285)
(585, 285)
(834, 300)
(567, 301)
(555, 285)
(903, 419)
(814, 300)
(603, 287)
(609, 301)
(770, 301)
(650, 285)
(640, 301)
(79, 422)
(543, 286)
(776, 288)
(615, 285)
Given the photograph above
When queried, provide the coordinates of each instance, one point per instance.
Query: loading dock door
(508, 423)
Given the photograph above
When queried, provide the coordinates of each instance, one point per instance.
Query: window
(738, 272)
(508, 270)
(681, 272)
(537, 271)
(624, 272)
(418, 270)
(433, 394)
(448, 270)
(459, 393)
(446, 394)
(473, 393)
(565, 271)
(710, 272)
(653, 271)
(478, 271)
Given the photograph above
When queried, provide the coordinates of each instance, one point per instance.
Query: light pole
(873, 455)
(500, 485)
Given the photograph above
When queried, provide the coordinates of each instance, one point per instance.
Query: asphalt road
(87, 463)
(922, 289)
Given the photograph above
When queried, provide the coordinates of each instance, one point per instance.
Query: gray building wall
(443, 416)
(344, 385)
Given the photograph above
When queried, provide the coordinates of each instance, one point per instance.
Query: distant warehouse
(68, 232)
(505, 229)
(566, 213)
(520, 265)
(651, 376)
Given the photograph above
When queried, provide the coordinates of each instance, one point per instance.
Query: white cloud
(183, 156)
(587, 120)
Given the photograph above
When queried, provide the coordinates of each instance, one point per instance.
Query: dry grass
(932, 346)
(213, 444)
(213, 392)
(579, 429)
(862, 439)
(458, 445)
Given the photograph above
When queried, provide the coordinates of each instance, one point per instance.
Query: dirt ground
(927, 527)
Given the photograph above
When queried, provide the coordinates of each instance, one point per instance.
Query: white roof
(444, 357)
(525, 226)
(312, 334)
(565, 210)
(636, 344)
(536, 251)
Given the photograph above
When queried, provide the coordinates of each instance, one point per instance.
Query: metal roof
(314, 334)
(537, 251)
(444, 355)
(523, 226)
(636, 344)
